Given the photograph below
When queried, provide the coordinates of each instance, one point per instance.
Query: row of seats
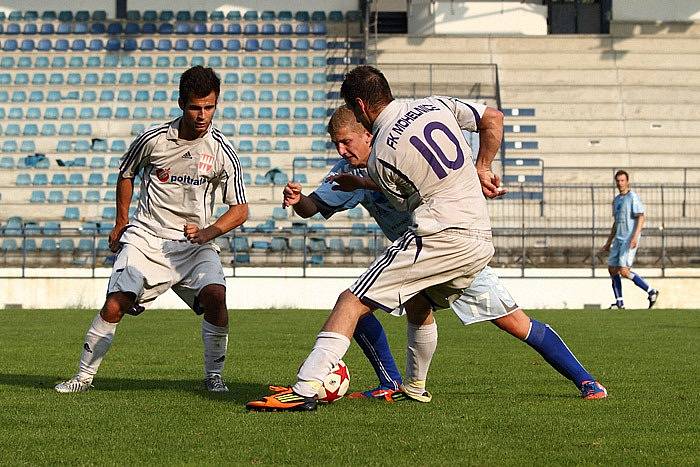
(128, 78)
(148, 61)
(51, 113)
(50, 245)
(96, 162)
(199, 16)
(73, 196)
(163, 45)
(60, 179)
(116, 29)
(244, 145)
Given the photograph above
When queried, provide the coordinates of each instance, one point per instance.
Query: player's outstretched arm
(236, 215)
(125, 188)
(490, 137)
(350, 182)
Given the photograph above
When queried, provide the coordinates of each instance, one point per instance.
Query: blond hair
(343, 117)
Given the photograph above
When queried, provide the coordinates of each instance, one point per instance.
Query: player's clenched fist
(292, 194)
(114, 237)
(194, 234)
(490, 184)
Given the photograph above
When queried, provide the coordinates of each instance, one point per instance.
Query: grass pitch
(495, 400)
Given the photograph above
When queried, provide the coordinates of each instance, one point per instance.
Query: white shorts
(442, 264)
(148, 266)
(485, 299)
(621, 255)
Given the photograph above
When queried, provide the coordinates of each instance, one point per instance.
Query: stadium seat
(285, 29)
(37, 196)
(92, 196)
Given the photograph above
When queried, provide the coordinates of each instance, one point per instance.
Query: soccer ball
(336, 384)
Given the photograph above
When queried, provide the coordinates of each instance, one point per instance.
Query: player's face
(197, 114)
(622, 183)
(353, 145)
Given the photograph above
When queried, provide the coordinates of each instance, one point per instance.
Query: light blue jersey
(625, 210)
(329, 201)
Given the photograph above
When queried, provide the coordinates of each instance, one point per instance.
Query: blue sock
(370, 336)
(617, 289)
(547, 343)
(640, 282)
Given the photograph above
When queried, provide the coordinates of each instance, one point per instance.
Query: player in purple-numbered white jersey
(421, 162)
(169, 242)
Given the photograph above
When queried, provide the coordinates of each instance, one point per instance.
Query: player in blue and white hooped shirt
(442, 253)
(623, 241)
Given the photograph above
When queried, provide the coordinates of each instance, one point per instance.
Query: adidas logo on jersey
(187, 155)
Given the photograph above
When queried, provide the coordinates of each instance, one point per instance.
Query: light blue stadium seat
(245, 129)
(245, 145)
(300, 129)
(318, 129)
(263, 162)
(84, 129)
(9, 146)
(16, 113)
(92, 196)
(282, 129)
(12, 129)
(121, 113)
(97, 162)
(285, 29)
(95, 179)
(109, 213)
(19, 96)
(281, 145)
(246, 162)
(261, 180)
(164, 45)
(7, 162)
(49, 245)
(137, 129)
(30, 129)
(248, 95)
(267, 45)
(247, 180)
(55, 197)
(263, 145)
(301, 113)
(37, 196)
(160, 96)
(68, 113)
(40, 179)
(112, 179)
(66, 245)
(33, 113)
(82, 145)
(199, 45)
(318, 95)
(301, 95)
(76, 179)
(114, 161)
(110, 195)
(318, 146)
(284, 45)
(80, 161)
(319, 62)
(247, 113)
(280, 178)
(48, 129)
(86, 113)
(265, 95)
(59, 179)
(27, 146)
(228, 129)
(229, 113)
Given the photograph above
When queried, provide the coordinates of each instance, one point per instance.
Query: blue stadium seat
(319, 62)
(268, 29)
(265, 112)
(139, 113)
(302, 28)
(233, 28)
(40, 179)
(216, 45)
(249, 61)
(137, 129)
(78, 45)
(300, 129)
(23, 179)
(164, 45)
(30, 129)
(233, 45)
(59, 179)
(246, 162)
(265, 95)
(250, 15)
(318, 146)
(228, 129)
(300, 178)
(217, 29)
(71, 213)
(245, 129)
(27, 146)
(302, 45)
(86, 113)
(284, 96)
(252, 45)
(264, 129)
(166, 28)
(248, 78)
(247, 113)
(7, 162)
(248, 95)
(48, 129)
(245, 145)
(92, 196)
(263, 162)
(37, 196)
(261, 180)
(229, 113)
(12, 129)
(267, 45)
(284, 45)
(318, 95)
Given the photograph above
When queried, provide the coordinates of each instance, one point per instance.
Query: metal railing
(552, 228)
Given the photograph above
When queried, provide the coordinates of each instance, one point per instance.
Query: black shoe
(653, 296)
(616, 306)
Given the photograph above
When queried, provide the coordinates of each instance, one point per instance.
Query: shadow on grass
(240, 392)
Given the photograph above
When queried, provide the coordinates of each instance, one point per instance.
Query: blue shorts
(621, 255)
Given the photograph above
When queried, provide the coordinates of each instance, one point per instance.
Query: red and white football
(336, 384)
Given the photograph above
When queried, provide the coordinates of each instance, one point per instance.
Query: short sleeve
(231, 178)
(138, 154)
(330, 201)
(637, 205)
(468, 114)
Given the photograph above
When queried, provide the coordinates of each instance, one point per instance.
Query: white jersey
(422, 163)
(180, 178)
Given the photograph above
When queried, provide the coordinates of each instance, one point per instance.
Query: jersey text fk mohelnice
(422, 163)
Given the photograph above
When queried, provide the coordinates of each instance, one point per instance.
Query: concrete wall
(321, 292)
(656, 10)
(476, 17)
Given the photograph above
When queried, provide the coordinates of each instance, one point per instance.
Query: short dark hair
(367, 83)
(622, 172)
(198, 82)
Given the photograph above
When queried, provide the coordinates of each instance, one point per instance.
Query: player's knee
(625, 272)
(612, 270)
(212, 298)
(116, 305)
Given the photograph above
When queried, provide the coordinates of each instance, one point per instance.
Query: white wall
(427, 17)
(321, 292)
(656, 10)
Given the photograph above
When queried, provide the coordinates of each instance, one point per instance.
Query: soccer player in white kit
(422, 163)
(169, 241)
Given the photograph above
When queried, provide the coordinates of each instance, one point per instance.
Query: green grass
(494, 400)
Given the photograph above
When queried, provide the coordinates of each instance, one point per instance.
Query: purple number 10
(436, 153)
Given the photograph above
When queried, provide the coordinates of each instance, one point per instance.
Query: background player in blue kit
(485, 299)
(623, 241)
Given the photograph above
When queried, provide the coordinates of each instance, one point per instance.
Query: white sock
(329, 349)
(98, 340)
(215, 340)
(420, 347)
